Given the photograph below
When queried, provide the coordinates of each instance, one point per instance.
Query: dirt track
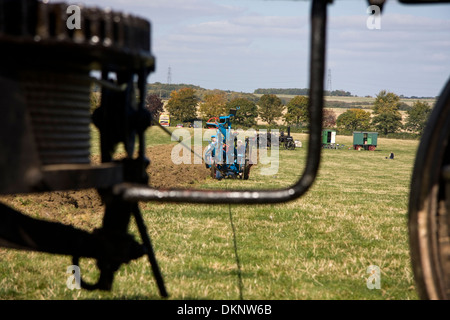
(165, 174)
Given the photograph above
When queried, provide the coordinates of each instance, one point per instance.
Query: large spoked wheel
(290, 145)
(429, 205)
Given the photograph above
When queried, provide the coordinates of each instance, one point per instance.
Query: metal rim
(428, 206)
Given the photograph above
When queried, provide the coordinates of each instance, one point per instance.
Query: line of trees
(301, 92)
(386, 117)
(184, 105)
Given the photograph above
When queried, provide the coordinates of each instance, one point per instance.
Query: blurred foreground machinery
(45, 87)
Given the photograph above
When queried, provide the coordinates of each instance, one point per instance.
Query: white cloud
(167, 12)
(251, 44)
(238, 28)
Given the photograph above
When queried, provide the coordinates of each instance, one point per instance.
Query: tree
(354, 119)
(386, 102)
(339, 93)
(386, 110)
(247, 113)
(270, 108)
(387, 122)
(329, 118)
(214, 105)
(417, 117)
(154, 104)
(297, 111)
(182, 104)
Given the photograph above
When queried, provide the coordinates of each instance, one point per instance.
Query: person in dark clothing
(391, 156)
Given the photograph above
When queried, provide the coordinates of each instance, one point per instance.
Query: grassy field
(316, 247)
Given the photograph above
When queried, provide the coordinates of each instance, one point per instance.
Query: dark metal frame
(316, 77)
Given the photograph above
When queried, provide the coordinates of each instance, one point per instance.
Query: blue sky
(248, 44)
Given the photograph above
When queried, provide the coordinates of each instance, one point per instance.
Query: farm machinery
(265, 140)
(226, 155)
(287, 141)
(45, 141)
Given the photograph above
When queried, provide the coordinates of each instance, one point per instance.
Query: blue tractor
(226, 155)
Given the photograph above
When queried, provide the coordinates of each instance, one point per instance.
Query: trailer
(329, 139)
(365, 140)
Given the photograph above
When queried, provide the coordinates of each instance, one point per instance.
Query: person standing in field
(210, 152)
(391, 156)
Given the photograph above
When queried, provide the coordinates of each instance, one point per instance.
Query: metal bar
(317, 70)
(142, 85)
(79, 176)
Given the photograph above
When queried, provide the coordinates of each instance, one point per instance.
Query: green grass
(316, 247)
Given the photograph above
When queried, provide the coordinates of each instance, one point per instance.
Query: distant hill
(301, 92)
(163, 90)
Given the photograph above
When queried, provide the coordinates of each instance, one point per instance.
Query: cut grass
(316, 247)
